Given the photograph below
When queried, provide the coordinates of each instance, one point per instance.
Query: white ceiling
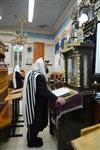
(47, 15)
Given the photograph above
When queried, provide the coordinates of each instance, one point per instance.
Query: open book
(61, 91)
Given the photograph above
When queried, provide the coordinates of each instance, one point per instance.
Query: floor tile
(20, 143)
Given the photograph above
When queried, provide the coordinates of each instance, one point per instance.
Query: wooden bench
(14, 97)
(89, 140)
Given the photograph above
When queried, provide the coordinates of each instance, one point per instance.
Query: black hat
(47, 61)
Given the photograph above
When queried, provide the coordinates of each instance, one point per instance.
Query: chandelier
(21, 38)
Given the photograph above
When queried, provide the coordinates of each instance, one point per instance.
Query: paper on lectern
(61, 91)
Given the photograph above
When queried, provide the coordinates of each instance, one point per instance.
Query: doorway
(38, 50)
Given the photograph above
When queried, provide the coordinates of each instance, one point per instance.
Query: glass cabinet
(73, 74)
(79, 66)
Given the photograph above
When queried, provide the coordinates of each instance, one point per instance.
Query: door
(38, 50)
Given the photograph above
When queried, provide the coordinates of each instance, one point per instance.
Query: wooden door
(38, 50)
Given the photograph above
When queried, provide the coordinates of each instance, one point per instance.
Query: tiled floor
(19, 143)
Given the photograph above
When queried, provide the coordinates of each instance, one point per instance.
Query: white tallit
(16, 69)
(29, 91)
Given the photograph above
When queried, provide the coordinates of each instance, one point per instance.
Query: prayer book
(64, 91)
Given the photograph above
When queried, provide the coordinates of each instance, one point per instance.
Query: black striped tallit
(29, 97)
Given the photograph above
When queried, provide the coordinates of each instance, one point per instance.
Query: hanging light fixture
(21, 38)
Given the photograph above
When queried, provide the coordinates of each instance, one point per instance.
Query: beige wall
(49, 51)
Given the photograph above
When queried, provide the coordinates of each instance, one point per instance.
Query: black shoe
(36, 143)
(38, 138)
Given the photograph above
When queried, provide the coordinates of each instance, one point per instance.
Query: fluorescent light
(30, 10)
(0, 17)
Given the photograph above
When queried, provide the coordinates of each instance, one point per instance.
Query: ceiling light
(0, 17)
(21, 37)
(30, 10)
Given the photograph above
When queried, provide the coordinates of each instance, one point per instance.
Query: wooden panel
(5, 108)
(5, 115)
(3, 82)
(38, 50)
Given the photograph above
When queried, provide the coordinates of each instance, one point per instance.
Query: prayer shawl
(36, 96)
(29, 92)
(17, 69)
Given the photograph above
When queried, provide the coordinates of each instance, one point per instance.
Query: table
(89, 141)
(16, 91)
(13, 96)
